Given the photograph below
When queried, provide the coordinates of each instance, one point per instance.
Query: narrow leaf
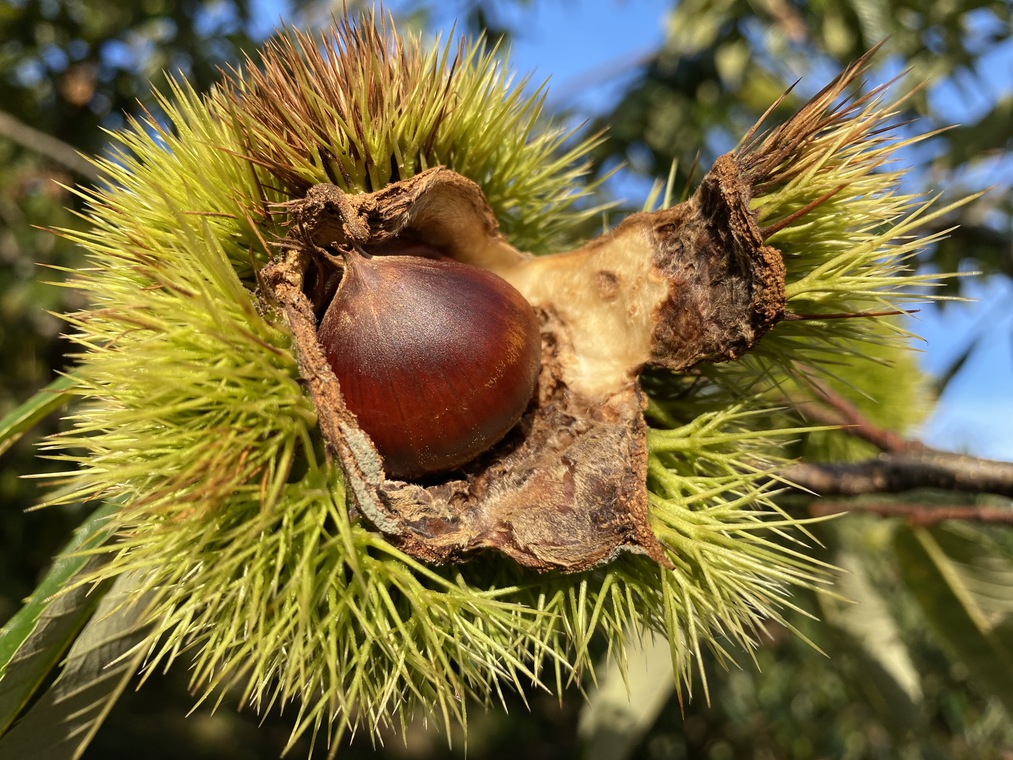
(627, 702)
(957, 364)
(34, 640)
(963, 582)
(885, 673)
(105, 656)
(22, 419)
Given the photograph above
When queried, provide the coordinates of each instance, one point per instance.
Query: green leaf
(868, 631)
(105, 656)
(22, 419)
(34, 640)
(630, 696)
(988, 135)
(957, 364)
(963, 582)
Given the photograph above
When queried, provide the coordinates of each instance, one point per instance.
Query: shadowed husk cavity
(256, 515)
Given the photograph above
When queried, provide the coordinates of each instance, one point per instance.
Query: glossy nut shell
(437, 359)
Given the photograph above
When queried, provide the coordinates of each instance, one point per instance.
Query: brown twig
(895, 473)
(31, 138)
(833, 409)
(916, 514)
(904, 465)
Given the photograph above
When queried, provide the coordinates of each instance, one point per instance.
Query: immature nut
(436, 359)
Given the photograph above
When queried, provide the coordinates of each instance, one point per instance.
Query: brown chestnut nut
(436, 359)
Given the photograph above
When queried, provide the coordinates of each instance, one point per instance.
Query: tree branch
(894, 473)
(904, 465)
(31, 138)
(833, 409)
(916, 514)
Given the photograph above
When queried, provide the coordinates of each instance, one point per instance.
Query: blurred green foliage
(69, 70)
(723, 63)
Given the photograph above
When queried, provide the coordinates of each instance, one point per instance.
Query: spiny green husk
(195, 420)
(852, 252)
(372, 108)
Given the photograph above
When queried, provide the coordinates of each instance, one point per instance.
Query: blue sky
(576, 44)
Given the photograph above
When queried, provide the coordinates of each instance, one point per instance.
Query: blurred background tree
(922, 667)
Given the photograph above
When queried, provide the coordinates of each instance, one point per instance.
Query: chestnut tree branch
(895, 473)
(833, 409)
(916, 514)
(904, 465)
